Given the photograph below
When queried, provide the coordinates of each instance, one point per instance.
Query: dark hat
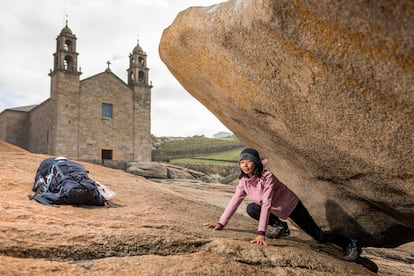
(250, 154)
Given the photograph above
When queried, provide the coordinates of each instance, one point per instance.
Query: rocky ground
(155, 229)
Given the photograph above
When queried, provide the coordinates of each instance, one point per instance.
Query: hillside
(151, 229)
(212, 156)
(169, 148)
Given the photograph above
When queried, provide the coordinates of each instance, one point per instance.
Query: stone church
(95, 119)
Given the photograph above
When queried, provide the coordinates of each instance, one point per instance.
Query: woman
(273, 200)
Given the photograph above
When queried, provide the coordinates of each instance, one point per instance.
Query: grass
(229, 157)
(195, 142)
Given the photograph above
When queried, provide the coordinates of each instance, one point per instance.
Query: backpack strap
(55, 169)
(40, 199)
(54, 172)
(39, 196)
(42, 189)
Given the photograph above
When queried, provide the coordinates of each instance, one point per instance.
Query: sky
(106, 30)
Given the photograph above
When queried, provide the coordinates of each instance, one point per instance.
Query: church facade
(95, 119)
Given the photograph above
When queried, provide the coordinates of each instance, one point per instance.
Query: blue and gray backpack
(61, 181)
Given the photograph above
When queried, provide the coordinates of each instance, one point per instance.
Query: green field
(197, 150)
(188, 143)
(221, 158)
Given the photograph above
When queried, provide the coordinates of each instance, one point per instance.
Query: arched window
(141, 60)
(67, 63)
(68, 45)
(141, 76)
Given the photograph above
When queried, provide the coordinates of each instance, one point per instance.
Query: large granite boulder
(324, 89)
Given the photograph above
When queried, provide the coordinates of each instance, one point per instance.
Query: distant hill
(223, 134)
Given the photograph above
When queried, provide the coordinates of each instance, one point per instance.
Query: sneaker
(352, 251)
(277, 231)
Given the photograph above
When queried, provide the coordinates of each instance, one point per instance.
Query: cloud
(105, 30)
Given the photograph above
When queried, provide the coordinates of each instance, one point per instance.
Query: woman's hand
(260, 240)
(217, 226)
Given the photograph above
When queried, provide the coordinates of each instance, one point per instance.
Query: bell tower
(66, 57)
(138, 80)
(138, 71)
(64, 95)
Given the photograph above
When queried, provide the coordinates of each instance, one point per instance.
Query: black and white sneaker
(352, 251)
(277, 231)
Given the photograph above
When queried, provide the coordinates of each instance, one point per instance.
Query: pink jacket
(267, 191)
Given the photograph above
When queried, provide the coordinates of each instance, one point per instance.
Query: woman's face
(247, 166)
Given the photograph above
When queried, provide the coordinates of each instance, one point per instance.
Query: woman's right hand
(217, 226)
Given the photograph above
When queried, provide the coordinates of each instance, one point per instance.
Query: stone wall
(13, 127)
(41, 128)
(65, 96)
(3, 125)
(142, 123)
(98, 132)
(166, 155)
(70, 122)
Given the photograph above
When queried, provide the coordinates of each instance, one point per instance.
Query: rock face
(324, 90)
(161, 171)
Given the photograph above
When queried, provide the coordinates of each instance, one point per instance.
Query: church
(95, 119)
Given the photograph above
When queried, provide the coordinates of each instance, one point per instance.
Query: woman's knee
(253, 210)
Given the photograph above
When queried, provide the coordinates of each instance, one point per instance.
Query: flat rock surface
(152, 229)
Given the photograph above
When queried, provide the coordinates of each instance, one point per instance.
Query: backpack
(61, 181)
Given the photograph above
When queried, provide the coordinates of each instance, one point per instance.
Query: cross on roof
(109, 63)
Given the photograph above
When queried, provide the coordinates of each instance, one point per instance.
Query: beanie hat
(252, 155)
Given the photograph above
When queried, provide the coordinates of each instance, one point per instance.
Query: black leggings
(303, 219)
